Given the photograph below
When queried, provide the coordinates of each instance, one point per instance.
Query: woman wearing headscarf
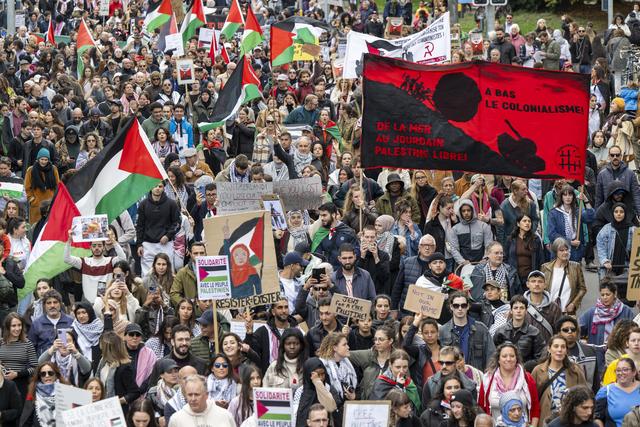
(88, 329)
(316, 388)
(614, 242)
(40, 182)
(565, 53)
(297, 230)
(512, 413)
(388, 243)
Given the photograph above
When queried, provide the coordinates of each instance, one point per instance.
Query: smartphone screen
(62, 335)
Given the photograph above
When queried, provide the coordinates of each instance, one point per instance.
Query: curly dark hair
(492, 365)
(452, 376)
(575, 396)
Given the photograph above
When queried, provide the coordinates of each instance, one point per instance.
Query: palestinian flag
(243, 86)
(50, 34)
(85, 42)
(251, 235)
(233, 21)
(158, 16)
(213, 273)
(116, 178)
(46, 258)
(171, 27)
(333, 130)
(295, 29)
(272, 404)
(12, 188)
(193, 20)
(252, 35)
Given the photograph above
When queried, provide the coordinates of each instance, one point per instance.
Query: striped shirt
(19, 356)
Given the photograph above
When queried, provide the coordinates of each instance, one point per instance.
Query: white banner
(430, 46)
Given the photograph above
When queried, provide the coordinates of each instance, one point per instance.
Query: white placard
(174, 42)
(212, 274)
(104, 8)
(430, 46)
(186, 71)
(20, 20)
(370, 413)
(237, 327)
(90, 228)
(104, 413)
(205, 37)
(69, 397)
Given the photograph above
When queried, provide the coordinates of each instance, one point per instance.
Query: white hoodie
(213, 416)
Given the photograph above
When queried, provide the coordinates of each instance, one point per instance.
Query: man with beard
(617, 170)
(184, 283)
(351, 280)
(180, 353)
(332, 235)
(44, 330)
(265, 340)
(506, 49)
(328, 323)
(290, 283)
(97, 269)
(373, 260)
(469, 238)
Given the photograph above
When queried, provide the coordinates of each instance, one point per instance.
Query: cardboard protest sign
(236, 197)
(104, 413)
(423, 300)
(213, 277)
(90, 228)
(299, 194)
(355, 308)
(174, 43)
(633, 282)
(370, 413)
(272, 203)
(272, 406)
(246, 239)
(69, 397)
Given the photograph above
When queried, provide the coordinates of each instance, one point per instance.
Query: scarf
(164, 392)
(221, 389)
(486, 205)
(504, 411)
(88, 335)
(67, 365)
(340, 373)
(43, 178)
(499, 275)
(163, 150)
(37, 309)
(301, 160)
(298, 234)
(605, 316)
(45, 404)
(233, 175)
(569, 227)
(621, 228)
(385, 240)
(518, 385)
(180, 195)
(281, 174)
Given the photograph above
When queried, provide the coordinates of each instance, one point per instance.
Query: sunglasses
(615, 154)
(320, 288)
(219, 365)
(457, 306)
(270, 122)
(446, 362)
(134, 334)
(44, 374)
(569, 330)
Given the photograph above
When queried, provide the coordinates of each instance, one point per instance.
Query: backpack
(7, 293)
(632, 419)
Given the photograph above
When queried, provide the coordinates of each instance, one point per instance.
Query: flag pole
(579, 212)
(215, 326)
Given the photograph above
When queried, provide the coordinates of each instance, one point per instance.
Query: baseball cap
(133, 327)
(206, 318)
(282, 77)
(493, 283)
(165, 365)
(535, 273)
(294, 258)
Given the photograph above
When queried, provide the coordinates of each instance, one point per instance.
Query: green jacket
(184, 285)
(383, 206)
(200, 344)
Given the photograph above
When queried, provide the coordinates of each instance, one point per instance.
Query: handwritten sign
(423, 300)
(241, 196)
(355, 308)
(633, 283)
(252, 301)
(213, 277)
(104, 413)
(272, 406)
(370, 413)
(300, 194)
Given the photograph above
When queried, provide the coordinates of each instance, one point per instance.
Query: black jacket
(316, 334)
(242, 140)
(199, 364)
(157, 219)
(527, 338)
(125, 385)
(10, 404)
(379, 272)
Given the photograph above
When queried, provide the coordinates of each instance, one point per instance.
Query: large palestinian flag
(193, 20)
(233, 21)
(243, 86)
(123, 172)
(157, 17)
(295, 29)
(252, 35)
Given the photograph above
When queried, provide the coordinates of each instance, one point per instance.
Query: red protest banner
(474, 116)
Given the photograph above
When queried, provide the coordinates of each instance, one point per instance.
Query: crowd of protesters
(513, 346)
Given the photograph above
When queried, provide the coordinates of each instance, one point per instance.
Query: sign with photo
(90, 228)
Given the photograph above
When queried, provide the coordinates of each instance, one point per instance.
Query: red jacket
(534, 409)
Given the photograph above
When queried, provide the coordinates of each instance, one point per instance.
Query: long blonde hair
(113, 349)
(122, 304)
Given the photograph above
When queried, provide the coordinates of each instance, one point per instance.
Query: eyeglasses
(134, 334)
(320, 288)
(219, 365)
(44, 374)
(623, 370)
(446, 362)
(568, 330)
(378, 339)
(457, 306)
(615, 154)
